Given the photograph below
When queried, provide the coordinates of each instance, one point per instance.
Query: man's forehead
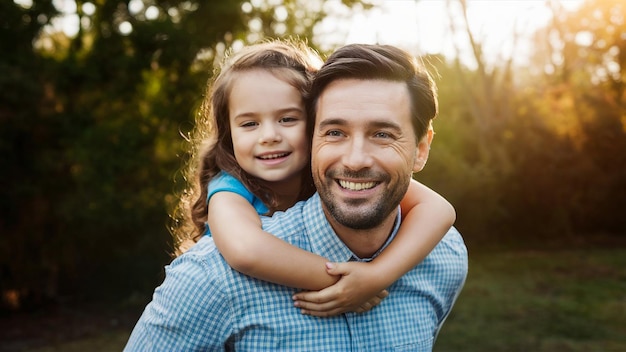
(378, 99)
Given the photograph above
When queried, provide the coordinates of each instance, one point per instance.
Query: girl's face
(268, 127)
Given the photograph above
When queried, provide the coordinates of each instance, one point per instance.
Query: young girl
(257, 162)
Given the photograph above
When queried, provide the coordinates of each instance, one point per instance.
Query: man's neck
(363, 243)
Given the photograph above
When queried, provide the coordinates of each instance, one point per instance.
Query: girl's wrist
(379, 275)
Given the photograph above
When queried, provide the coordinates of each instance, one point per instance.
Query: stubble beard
(359, 214)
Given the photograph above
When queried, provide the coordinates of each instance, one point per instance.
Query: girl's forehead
(261, 92)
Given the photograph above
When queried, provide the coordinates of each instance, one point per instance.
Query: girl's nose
(269, 134)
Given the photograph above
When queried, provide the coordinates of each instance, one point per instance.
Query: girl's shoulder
(225, 182)
(224, 179)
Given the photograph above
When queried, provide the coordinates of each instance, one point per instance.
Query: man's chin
(366, 223)
(355, 218)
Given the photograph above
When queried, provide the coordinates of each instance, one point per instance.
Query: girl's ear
(422, 150)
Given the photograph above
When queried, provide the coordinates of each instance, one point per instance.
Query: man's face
(364, 150)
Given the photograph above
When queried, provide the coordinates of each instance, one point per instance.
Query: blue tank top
(226, 182)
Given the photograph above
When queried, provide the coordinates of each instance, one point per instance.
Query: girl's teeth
(272, 156)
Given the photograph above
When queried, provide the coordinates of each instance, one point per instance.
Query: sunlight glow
(135, 6)
(584, 38)
(246, 7)
(65, 6)
(68, 22)
(280, 13)
(423, 27)
(89, 8)
(152, 13)
(27, 4)
(419, 26)
(125, 28)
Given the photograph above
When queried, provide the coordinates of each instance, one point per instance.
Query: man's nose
(358, 154)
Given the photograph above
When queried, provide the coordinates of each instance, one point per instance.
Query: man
(373, 107)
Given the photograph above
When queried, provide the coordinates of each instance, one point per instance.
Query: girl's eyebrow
(292, 109)
(249, 114)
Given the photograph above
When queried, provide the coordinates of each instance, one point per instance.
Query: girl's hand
(357, 291)
(373, 302)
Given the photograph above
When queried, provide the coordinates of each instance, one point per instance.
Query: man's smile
(356, 186)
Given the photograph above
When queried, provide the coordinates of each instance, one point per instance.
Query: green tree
(93, 128)
(580, 106)
(518, 147)
(24, 138)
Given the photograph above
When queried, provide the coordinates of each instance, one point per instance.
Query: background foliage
(93, 125)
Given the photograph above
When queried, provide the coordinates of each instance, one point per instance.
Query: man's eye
(334, 133)
(383, 135)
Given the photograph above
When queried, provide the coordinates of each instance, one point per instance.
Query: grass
(569, 300)
(109, 341)
(563, 300)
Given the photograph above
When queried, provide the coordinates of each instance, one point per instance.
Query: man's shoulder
(288, 223)
(194, 298)
(203, 270)
(448, 261)
(453, 242)
(201, 259)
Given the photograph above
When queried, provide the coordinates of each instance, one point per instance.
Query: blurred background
(96, 98)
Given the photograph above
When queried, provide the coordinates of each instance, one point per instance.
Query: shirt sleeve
(451, 277)
(189, 311)
(225, 182)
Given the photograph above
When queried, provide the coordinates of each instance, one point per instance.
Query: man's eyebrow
(381, 124)
(333, 121)
(371, 125)
(386, 124)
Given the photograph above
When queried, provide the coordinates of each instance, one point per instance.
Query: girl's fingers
(316, 304)
(326, 295)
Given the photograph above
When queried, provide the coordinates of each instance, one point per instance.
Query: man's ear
(423, 148)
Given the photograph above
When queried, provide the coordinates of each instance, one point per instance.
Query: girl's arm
(237, 232)
(429, 216)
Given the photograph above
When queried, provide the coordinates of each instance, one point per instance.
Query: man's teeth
(356, 186)
(273, 156)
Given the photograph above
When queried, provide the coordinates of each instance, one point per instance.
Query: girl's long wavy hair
(211, 143)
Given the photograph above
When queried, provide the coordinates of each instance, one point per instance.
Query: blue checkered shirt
(204, 305)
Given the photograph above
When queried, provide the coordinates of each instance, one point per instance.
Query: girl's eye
(249, 124)
(288, 119)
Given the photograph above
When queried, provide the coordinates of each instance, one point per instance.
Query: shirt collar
(324, 240)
